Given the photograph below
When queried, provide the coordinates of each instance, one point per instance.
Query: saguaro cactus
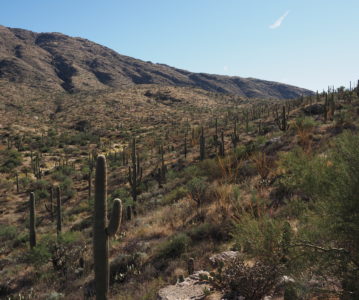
(102, 229)
(134, 174)
(50, 208)
(190, 266)
(282, 121)
(162, 170)
(325, 113)
(32, 221)
(17, 182)
(58, 210)
(202, 142)
(221, 145)
(215, 136)
(234, 136)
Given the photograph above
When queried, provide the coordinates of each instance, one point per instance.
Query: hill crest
(59, 62)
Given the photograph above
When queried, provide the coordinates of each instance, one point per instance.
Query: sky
(307, 43)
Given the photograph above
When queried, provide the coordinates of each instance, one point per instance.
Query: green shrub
(175, 195)
(7, 232)
(41, 189)
(331, 182)
(174, 247)
(191, 172)
(259, 237)
(304, 124)
(38, 255)
(122, 194)
(205, 231)
(10, 159)
(197, 188)
(251, 282)
(66, 187)
(211, 169)
(304, 174)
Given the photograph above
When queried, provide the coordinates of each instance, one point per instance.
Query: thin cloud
(277, 23)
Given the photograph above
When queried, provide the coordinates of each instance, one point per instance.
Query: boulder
(314, 109)
(193, 287)
(222, 258)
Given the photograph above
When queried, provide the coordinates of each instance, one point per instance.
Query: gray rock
(223, 258)
(192, 288)
(273, 145)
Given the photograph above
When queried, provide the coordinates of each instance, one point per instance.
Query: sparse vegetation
(197, 173)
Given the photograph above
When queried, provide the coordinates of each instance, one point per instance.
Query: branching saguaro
(134, 174)
(103, 229)
(282, 121)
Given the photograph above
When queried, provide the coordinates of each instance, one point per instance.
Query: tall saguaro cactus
(102, 230)
(50, 208)
(234, 136)
(134, 173)
(162, 170)
(221, 145)
(32, 221)
(282, 121)
(202, 145)
(59, 213)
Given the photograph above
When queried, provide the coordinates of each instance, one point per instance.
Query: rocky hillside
(59, 62)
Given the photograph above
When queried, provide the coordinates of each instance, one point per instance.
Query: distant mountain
(59, 62)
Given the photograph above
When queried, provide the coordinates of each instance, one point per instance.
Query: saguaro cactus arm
(115, 220)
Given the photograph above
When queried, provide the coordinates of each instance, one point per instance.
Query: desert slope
(58, 62)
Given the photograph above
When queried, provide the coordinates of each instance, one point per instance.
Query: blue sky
(309, 43)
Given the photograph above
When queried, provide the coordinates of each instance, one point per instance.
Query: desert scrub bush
(191, 172)
(175, 195)
(7, 233)
(216, 232)
(251, 282)
(262, 163)
(63, 252)
(197, 188)
(303, 124)
(174, 247)
(328, 233)
(10, 159)
(259, 237)
(303, 173)
(210, 168)
(5, 184)
(40, 188)
(38, 255)
(66, 187)
(123, 194)
(303, 127)
(12, 236)
(24, 182)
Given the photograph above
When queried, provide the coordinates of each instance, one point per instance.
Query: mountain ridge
(60, 62)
